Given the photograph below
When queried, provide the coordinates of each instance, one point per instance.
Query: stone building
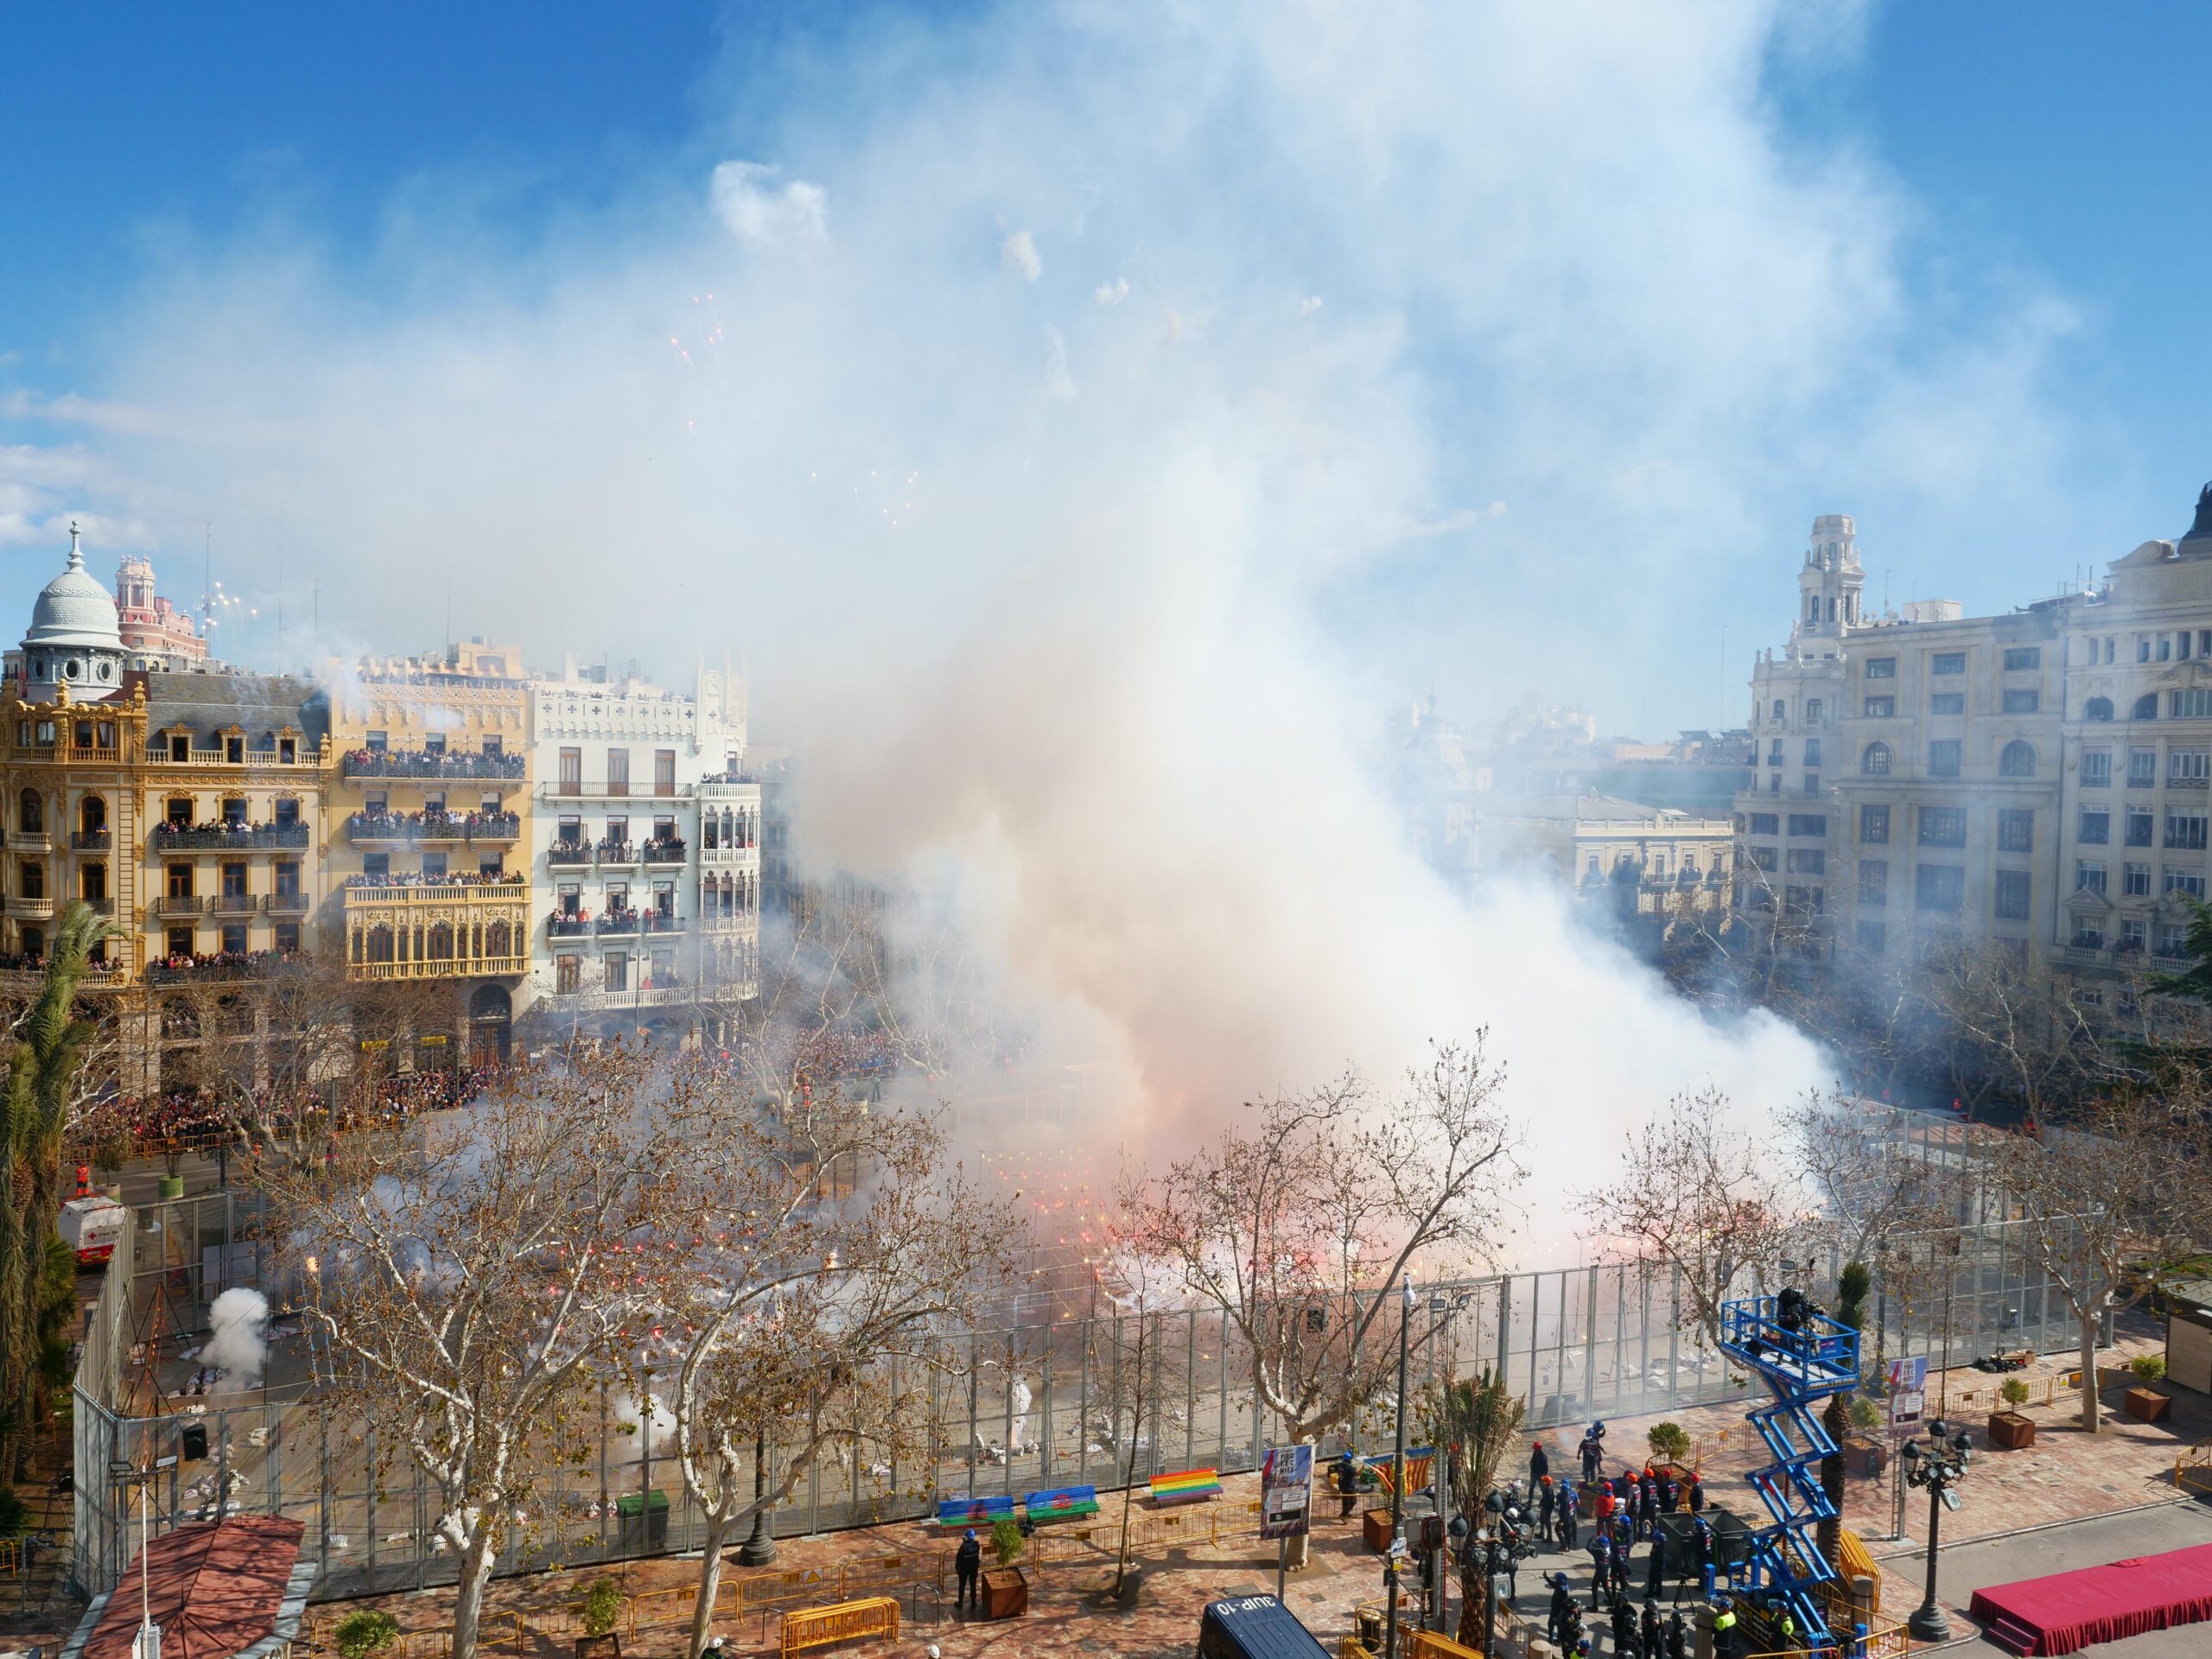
(1641, 870)
(431, 808)
(649, 850)
(2035, 780)
(186, 808)
(156, 633)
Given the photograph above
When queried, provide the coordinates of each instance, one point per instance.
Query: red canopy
(214, 1588)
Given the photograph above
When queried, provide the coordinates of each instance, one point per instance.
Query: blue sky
(2039, 156)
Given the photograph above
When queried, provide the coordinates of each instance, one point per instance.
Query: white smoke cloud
(759, 214)
(1114, 657)
(237, 1347)
(1019, 253)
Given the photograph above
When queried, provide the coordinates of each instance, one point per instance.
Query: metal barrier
(2193, 1469)
(845, 1621)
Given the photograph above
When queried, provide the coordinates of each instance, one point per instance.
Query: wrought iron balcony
(429, 764)
(91, 841)
(226, 837)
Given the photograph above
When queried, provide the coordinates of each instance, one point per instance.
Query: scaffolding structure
(1802, 1357)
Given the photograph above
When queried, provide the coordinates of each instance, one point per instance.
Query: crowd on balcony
(16, 962)
(454, 879)
(665, 849)
(732, 776)
(430, 763)
(432, 826)
(227, 836)
(217, 964)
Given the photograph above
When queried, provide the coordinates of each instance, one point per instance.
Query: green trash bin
(644, 1522)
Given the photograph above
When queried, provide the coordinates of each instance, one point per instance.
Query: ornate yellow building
(431, 813)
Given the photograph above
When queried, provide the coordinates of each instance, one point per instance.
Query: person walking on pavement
(1570, 1516)
(1545, 1498)
(1540, 1465)
(1593, 1454)
(1347, 1477)
(967, 1562)
(1601, 1555)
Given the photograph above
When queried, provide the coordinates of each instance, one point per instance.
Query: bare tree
(1299, 1229)
(2113, 1203)
(802, 1298)
(1698, 1193)
(466, 1274)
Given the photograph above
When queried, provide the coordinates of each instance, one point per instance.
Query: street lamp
(1494, 1504)
(1441, 1309)
(1939, 1466)
(1455, 1552)
(1397, 1485)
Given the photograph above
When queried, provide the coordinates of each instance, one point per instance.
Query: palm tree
(34, 1115)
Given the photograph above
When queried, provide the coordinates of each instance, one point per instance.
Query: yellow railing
(1853, 1560)
(2193, 1469)
(846, 1621)
(1429, 1645)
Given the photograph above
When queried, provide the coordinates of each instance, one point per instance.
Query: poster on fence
(1286, 1491)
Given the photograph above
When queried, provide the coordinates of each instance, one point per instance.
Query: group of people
(409, 826)
(185, 963)
(431, 763)
(449, 879)
(230, 833)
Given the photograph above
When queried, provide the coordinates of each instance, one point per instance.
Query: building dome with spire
(75, 637)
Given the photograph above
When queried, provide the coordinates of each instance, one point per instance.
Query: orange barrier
(845, 1621)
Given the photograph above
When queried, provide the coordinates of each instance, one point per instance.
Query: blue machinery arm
(1801, 1365)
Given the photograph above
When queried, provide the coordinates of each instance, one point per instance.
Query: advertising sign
(1908, 1381)
(1286, 1491)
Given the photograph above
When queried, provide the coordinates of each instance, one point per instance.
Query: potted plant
(2143, 1402)
(1864, 1453)
(364, 1633)
(602, 1606)
(1671, 1445)
(1006, 1587)
(2008, 1428)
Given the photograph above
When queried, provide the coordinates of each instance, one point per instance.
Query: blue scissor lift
(1802, 1364)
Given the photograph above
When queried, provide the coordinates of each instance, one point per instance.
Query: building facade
(648, 850)
(1644, 870)
(2033, 782)
(431, 804)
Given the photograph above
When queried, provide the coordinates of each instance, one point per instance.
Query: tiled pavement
(2065, 1476)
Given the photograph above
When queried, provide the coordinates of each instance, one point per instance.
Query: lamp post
(1494, 1505)
(1441, 1308)
(760, 1548)
(1397, 1486)
(1455, 1552)
(1939, 1466)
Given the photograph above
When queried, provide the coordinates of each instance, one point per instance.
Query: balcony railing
(29, 840)
(650, 996)
(229, 965)
(439, 889)
(235, 903)
(442, 968)
(91, 841)
(2189, 783)
(288, 904)
(25, 973)
(368, 828)
(297, 754)
(618, 854)
(669, 851)
(567, 927)
(31, 910)
(626, 923)
(569, 855)
(431, 764)
(657, 923)
(226, 837)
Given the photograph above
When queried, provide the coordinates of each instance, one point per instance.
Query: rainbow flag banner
(1062, 1503)
(1187, 1487)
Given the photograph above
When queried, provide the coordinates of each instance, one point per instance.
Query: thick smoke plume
(1083, 420)
(237, 1347)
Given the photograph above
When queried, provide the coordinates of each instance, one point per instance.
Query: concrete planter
(2012, 1431)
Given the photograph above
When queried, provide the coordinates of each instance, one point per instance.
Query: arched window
(496, 940)
(1812, 607)
(1813, 712)
(1831, 610)
(30, 814)
(441, 943)
(91, 815)
(2146, 708)
(1875, 762)
(2097, 708)
(2017, 760)
(1780, 708)
(378, 944)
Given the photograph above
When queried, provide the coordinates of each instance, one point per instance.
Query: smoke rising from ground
(237, 1347)
(1082, 420)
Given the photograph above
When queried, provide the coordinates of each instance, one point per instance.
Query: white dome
(75, 611)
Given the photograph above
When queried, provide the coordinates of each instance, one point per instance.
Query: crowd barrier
(844, 1621)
